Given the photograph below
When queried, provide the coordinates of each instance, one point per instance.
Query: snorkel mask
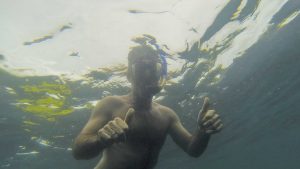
(150, 74)
(161, 68)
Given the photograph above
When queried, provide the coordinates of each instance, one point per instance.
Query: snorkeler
(130, 130)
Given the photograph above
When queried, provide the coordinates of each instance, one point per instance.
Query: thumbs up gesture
(209, 120)
(115, 129)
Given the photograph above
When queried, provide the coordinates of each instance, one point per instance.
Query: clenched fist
(209, 120)
(115, 129)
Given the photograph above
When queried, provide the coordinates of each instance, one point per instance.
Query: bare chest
(147, 127)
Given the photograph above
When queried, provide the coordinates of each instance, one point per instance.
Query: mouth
(152, 88)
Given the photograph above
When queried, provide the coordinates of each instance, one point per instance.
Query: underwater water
(244, 55)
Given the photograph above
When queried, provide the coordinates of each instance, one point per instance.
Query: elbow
(77, 154)
(195, 152)
(80, 153)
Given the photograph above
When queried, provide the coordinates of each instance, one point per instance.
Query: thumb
(204, 109)
(129, 115)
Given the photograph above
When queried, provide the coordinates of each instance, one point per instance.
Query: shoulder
(108, 104)
(108, 100)
(168, 112)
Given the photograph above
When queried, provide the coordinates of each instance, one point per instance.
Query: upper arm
(101, 114)
(86, 144)
(177, 132)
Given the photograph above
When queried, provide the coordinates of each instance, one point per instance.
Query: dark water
(257, 98)
(260, 110)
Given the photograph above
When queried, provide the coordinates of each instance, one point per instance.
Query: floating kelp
(239, 10)
(46, 100)
(65, 27)
(49, 36)
(287, 20)
(38, 40)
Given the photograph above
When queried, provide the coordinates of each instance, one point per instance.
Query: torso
(144, 139)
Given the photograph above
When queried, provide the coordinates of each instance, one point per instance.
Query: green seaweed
(46, 100)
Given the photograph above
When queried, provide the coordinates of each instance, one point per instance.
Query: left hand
(209, 120)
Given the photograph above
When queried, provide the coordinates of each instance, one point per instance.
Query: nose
(147, 73)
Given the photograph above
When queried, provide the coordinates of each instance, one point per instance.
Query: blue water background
(257, 98)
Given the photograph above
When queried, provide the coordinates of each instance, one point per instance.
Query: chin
(152, 90)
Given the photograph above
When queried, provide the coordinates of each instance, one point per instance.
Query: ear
(130, 73)
(129, 77)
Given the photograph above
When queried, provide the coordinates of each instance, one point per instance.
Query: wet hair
(139, 53)
(142, 52)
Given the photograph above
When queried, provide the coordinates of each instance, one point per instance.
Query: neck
(141, 101)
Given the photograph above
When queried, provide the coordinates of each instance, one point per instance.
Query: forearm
(87, 146)
(198, 143)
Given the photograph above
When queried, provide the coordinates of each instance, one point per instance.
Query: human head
(145, 69)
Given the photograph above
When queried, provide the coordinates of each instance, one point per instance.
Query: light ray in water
(28, 153)
(46, 143)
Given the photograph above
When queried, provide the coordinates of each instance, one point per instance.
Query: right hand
(115, 129)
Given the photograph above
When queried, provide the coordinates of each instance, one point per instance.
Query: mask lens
(147, 71)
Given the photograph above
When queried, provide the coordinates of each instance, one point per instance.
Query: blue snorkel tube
(162, 55)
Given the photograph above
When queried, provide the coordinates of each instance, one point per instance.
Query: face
(146, 76)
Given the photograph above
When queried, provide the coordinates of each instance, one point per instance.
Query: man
(130, 130)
